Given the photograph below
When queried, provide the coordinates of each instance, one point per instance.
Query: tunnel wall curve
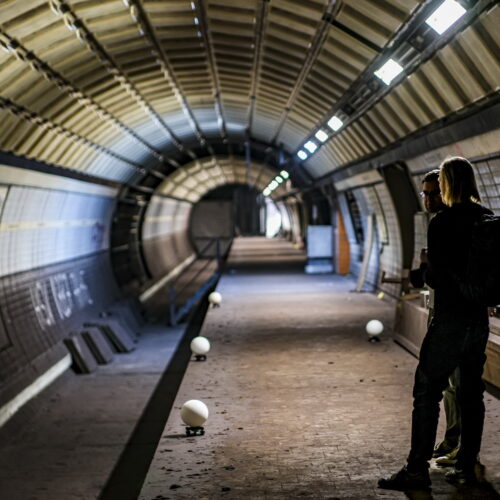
(372, 196)
(165, 239)
(54, 268)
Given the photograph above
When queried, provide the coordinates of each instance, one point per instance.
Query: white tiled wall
(392, 255)
(165, 216)
(488, 182)
(40, 226)
(421, 220)
(366, 209)
(386, 252)
(165, 234)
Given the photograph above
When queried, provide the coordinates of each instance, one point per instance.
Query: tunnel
(273, 152)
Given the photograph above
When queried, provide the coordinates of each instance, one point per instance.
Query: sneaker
(457, 476)
(405, 480)
(449, 459)
(442, 449)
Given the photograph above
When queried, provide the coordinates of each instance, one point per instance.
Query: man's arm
(431, 273)
(417, 276)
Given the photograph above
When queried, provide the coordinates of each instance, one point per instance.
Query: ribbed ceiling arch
(196, 179)
(114, 88)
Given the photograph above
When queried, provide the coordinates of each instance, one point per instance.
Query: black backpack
(481, 283)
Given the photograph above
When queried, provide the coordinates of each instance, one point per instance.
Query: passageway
(301, 404)
(152, 151)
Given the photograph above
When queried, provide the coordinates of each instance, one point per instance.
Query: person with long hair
(456, 337)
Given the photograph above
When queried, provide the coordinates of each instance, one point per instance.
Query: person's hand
(423, 256)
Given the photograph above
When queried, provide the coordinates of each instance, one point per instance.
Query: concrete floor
(64, 444)
(301, 404)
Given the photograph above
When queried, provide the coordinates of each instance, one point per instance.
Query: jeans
(451, 341)
(451, 407)
(452, 411)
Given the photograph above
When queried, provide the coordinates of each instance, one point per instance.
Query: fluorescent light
(266, 192)
(193, 6)
(335, 123)
(273, 185)
(389, 71)
(284, 174)
(279, 179)
(196, 21)
(311, 146)
(302, 154)
(445, 15)
(321, 135)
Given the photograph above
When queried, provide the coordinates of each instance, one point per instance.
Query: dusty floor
(301, 404)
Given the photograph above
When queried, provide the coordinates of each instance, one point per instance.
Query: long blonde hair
(457, 181)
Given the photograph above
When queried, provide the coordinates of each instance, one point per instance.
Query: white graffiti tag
(41, 303)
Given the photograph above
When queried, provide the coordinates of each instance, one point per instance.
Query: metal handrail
(213, 240)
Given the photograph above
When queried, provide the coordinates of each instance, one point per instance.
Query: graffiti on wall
(59, 296)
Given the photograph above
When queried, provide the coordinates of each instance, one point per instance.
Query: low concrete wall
(411, 326)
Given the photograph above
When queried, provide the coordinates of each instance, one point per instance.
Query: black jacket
(448, 244)
(417, 276)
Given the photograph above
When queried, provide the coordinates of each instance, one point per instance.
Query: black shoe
(405, 480)
(457, 476)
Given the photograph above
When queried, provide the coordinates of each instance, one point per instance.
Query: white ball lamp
(215, 298)
(194, 414)
(374, 328)
(200, 346)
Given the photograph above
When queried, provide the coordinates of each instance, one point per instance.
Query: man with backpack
(446, 450)
(457, 335)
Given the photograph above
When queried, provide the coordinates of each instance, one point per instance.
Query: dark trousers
(450, 342)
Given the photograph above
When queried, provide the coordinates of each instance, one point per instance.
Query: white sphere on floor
(215, 298)
(374, 327)
(194, 413)
(200, 345)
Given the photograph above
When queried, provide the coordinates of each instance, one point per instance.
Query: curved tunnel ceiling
(114, 88)
(195, 180)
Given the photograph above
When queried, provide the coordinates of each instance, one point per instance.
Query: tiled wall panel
(39, 227)
(488, 182)
(386, 254)
(421, 220)
(165, 234)
(41, 307)
(367, 208)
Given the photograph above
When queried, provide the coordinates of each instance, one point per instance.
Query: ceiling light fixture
(302, 154)
(445, 15)
(311, 146)
(321, 135)
(389, 71)
(335, 123)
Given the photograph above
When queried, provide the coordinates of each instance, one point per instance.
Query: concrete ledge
(411, 327)
(9, 409)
